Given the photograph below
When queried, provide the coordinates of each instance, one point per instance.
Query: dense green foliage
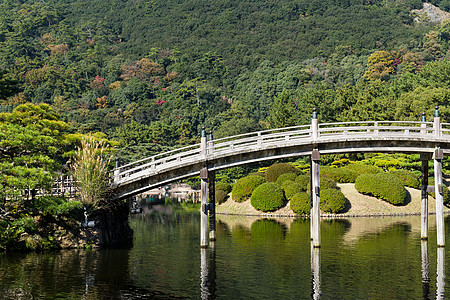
(244, 187)
(222, 189)
(287, 176)
(276, 170)
(408, 178)
(268, 197)
(332, 201)
(220, 196)
(384, 186)
(304, 180)
(35, 227)
(301, 203)
(291, 188)
(445, 192)
(224, 186)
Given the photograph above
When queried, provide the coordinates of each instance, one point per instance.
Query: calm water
(378, 258)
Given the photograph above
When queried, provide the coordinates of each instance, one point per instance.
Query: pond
(360, 258)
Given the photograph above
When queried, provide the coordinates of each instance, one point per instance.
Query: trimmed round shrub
(325, 183)
(383, 186)
(275, 170)
(224, 186)
(408, 178)
(268, 197)
(291, 188)
(362, 168)
(301, 203)
(287, 176)
(244, 187)
(341, 174)
(220, 196)
(304, 181)
(332, 201)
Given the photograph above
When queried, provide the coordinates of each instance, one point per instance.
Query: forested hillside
(150, 74)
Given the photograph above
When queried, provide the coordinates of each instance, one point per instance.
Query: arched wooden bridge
(427, 138)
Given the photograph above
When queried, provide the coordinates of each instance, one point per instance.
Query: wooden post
(437, 123)
(212, 205)
(315, 194)
(438, 191)
(203, 144)
(424, 211)
(314, 125)
(204, 208)
(117, 170)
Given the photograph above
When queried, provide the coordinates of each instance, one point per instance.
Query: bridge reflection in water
(208, 273)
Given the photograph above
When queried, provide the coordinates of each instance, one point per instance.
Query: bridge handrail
(261, 132)
(154, 157)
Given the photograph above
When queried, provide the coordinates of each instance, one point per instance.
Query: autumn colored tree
(380, 66)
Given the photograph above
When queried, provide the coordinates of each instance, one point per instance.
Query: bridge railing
(391, 128)
(445, 129)
(152, 163)
(276, 137)
(250, 140)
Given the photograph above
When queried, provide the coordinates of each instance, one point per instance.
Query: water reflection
(425, 270)
(208, 272)
(315, 273)
(440, 273)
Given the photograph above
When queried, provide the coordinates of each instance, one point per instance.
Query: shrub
(291, 188)
(301, 203)
(245, 186)
(275, 170)
(361, 168)
(287, 176)
(342, 174)
(304, 181)
(384, 186)
(224, 186)
(325, 183)
(332, 201)
(408, 178)
(268, 197)
(220, 196)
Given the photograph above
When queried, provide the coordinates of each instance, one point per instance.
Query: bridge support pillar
(315, 198)
(212, 205)
(204, 208)
(438, 191)
(424, 211)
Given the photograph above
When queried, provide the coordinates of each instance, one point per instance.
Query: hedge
(291, 188)
(332, 201)
(341, 175)
(348, 173)
(245, 186)
(275, 170)
(384, 186)
(408, 178)
(268, 197)
(304, 181)
(287, 176)
(224, 186)
(220, 196)
(301, 203)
